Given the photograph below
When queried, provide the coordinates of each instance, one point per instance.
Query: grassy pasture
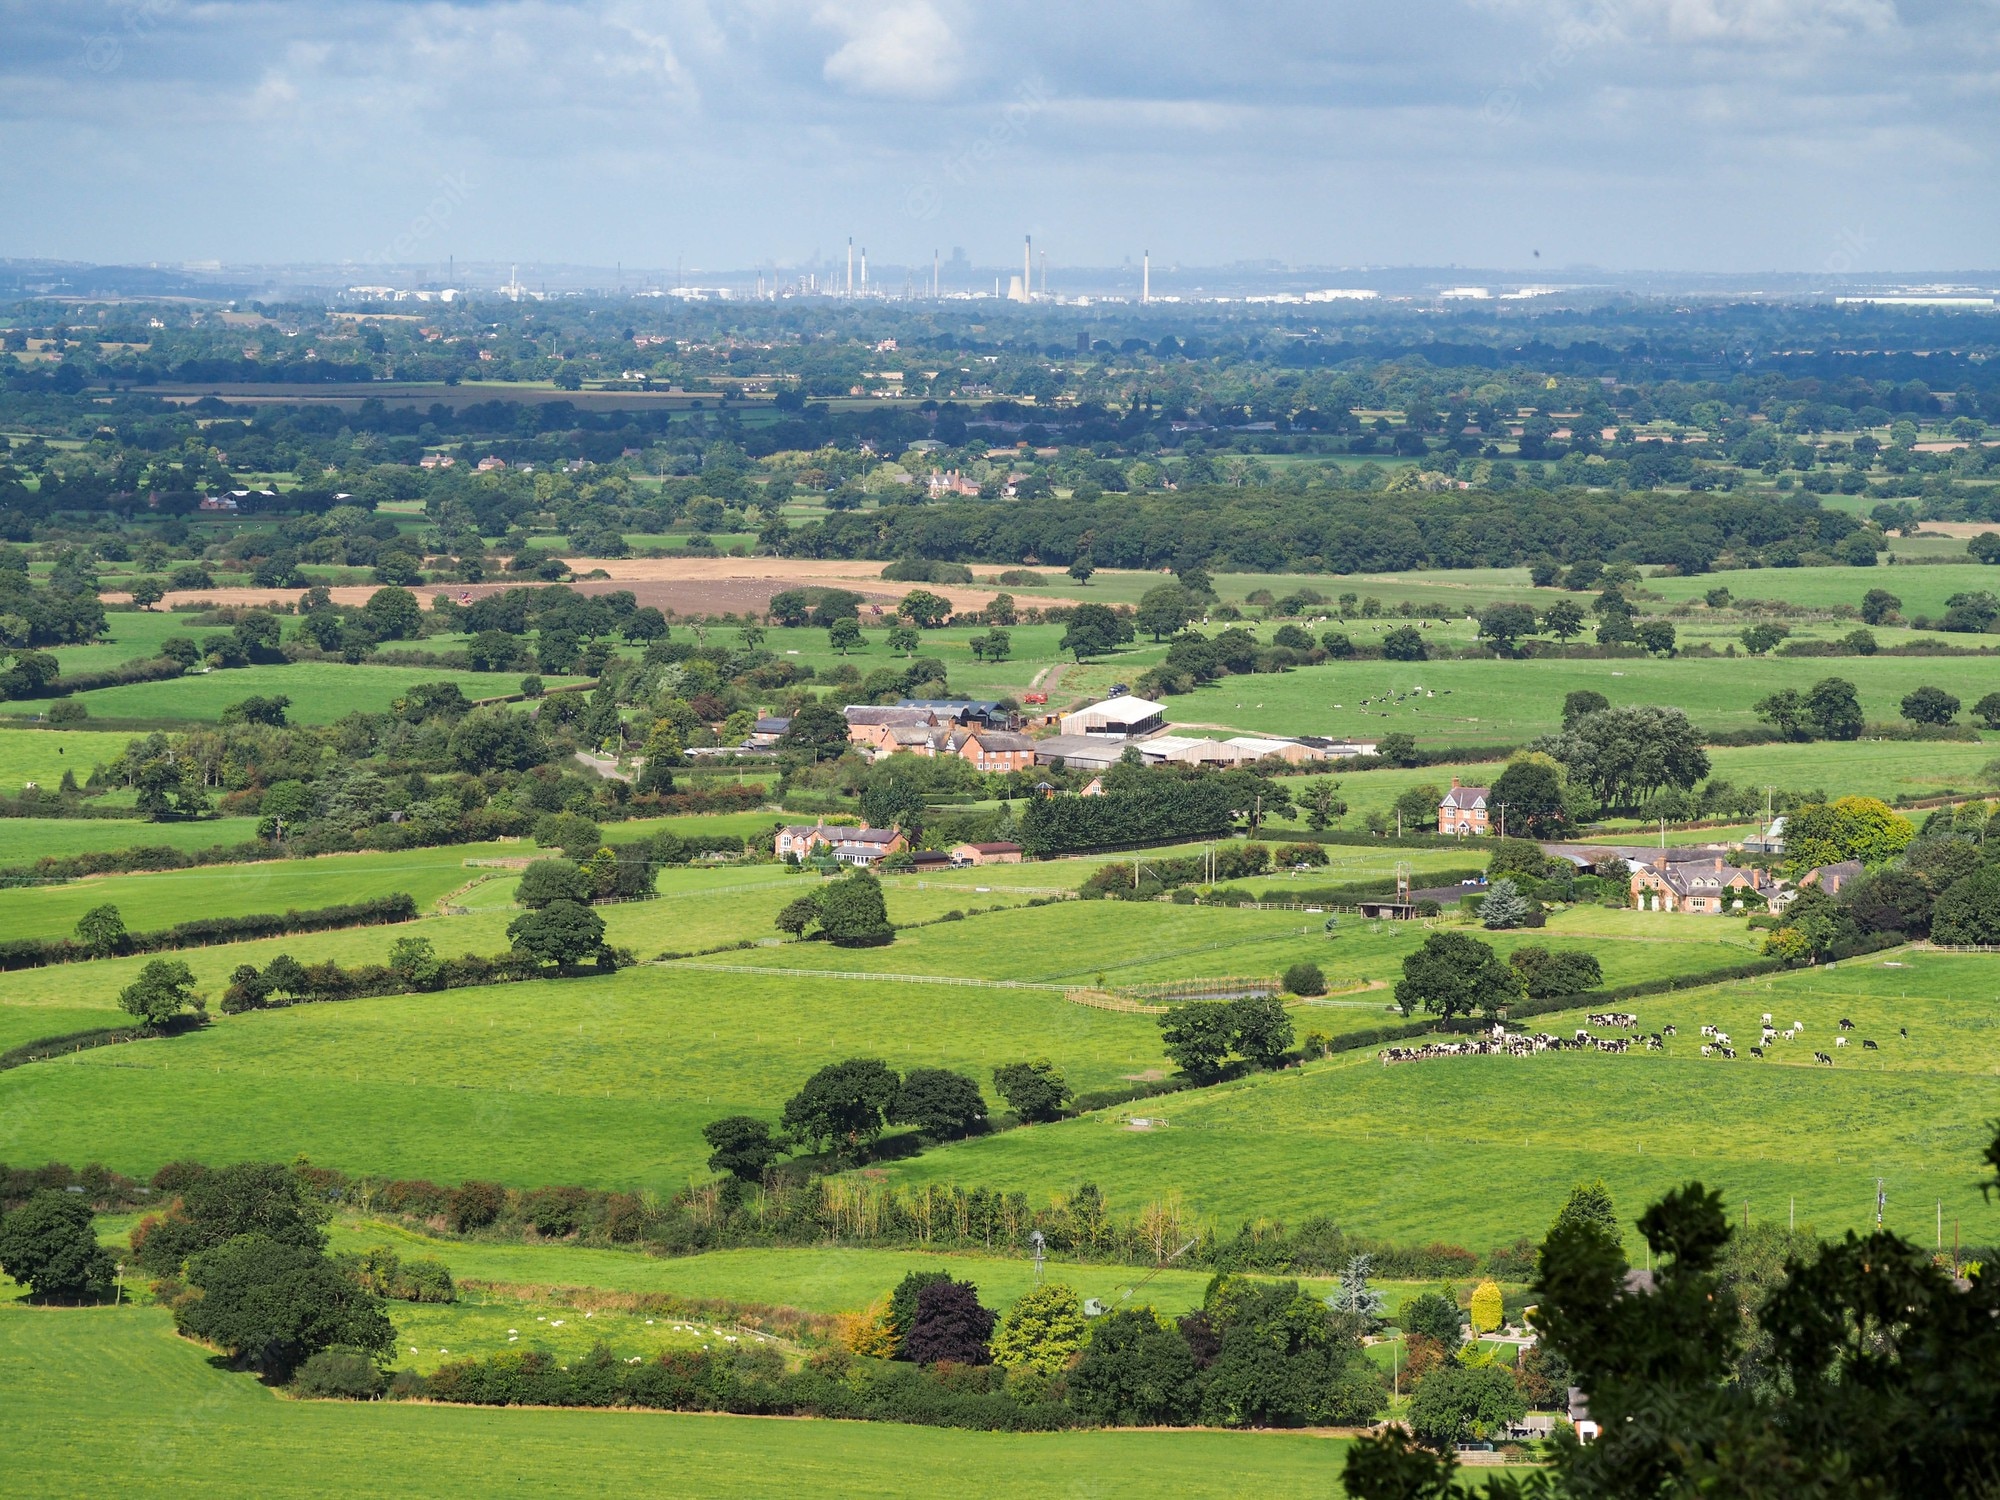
(1482, 1149)
(822, 1279)
(623, 1071)
(1510, 702)
(320, 691)
(111, 1401)
(25, 840)
(42, 755)
(476, 1082)
(161, 898)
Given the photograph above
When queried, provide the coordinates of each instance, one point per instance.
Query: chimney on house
(1454, 783)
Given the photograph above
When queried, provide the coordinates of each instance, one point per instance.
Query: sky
(1823, 136)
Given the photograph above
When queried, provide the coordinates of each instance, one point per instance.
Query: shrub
(341, 1373)
(474, 1205)
(1487, 1310)
(1305, 979)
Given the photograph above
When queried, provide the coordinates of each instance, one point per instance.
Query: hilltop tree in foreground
(1880, 1371)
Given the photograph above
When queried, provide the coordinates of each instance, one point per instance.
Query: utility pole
(1503, 818)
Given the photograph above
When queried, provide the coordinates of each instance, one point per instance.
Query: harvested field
(686, 585)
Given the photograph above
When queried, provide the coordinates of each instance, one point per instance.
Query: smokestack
(1027, 266)
(864, 270)
(934, 275)
(1146, 278)
(850, 265)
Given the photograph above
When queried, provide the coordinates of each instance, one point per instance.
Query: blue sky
(1729, 135)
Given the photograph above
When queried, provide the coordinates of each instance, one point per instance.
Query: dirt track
(688, 586)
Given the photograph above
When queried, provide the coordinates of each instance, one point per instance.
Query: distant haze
(1828, 137)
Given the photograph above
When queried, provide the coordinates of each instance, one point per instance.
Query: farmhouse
(1709, 886)
(1117, 718)
(992, 749)
(1464, 811)
(984, 711)
(867, 846)
(799, 840)
(1830, 878)
(767, 731)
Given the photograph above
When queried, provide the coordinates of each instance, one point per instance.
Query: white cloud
(899, 51)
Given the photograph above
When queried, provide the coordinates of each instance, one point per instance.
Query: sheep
(1868, 1046)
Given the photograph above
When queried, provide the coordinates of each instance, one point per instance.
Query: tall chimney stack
(1146, 278)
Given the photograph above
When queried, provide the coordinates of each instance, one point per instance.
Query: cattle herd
(1500, 1042)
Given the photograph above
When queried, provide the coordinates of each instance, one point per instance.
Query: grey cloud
(1725, 133)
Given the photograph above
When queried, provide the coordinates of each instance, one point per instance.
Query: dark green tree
(560, 934)
(1532, 792)
(1930, 705)
(271, 1306)
(550, 880)
(1094, 630)
(48, 1244)
(1833, 709)
(942, 1104)
(742, 1146)
(101, 931)
(1455, 975)
(1260, 1029)
(844, 1105)
(852, 913)
(164, 988)
(1404, 644)
(1033, 1090)
(1134, 1373)
(1198, 1036)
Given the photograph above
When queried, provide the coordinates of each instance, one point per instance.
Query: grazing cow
(1757, 1052)
(1840, 1041)
(1767, 1018)
(1798, 1026)
(1708, 1031)
(1821, 1057)
(1868, 1046)
(1706, 1049)
(1845, 1024)
(1730, 1053)
(1903, 1032)
(1670, 1031)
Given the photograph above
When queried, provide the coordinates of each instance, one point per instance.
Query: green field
(107, 1401)
(320, 691)
(42, 755)
(475, 1082)
(25, 840)
(1482, 1149)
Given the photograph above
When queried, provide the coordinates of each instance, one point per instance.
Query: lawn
(105, 1401)
(1482, 1149)
(320, 691)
